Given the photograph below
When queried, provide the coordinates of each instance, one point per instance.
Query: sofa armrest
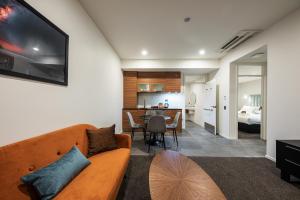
(123, 140)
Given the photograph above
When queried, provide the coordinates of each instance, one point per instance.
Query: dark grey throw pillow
(100, 140)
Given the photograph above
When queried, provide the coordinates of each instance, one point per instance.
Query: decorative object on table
(134, 126)
(31, 46)
(166, 105)
(156, 126)
(100, 140)
(175, 176)
(50, 180)
(160, 105)
(288, 158)
(174, 125)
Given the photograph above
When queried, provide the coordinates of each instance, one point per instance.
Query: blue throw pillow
(50, 180)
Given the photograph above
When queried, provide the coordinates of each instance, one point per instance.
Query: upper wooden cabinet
(130, 89)
(173, 81)
(159, 82)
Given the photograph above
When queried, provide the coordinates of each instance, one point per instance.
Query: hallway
(196, 141)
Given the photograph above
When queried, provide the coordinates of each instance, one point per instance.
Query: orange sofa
(99, 181)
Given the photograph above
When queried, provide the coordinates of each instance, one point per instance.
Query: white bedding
(252, 115)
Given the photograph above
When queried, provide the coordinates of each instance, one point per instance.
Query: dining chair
(134, 126)
(159, 112)
(151, 112)
(156, 125)
(173, 126)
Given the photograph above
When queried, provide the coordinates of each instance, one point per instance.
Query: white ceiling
(157, 25)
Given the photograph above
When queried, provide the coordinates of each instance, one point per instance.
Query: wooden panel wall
(130, 90)
(173, 82)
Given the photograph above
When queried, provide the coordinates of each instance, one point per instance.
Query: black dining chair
(134, 126)
(174, 126)
(156, 125)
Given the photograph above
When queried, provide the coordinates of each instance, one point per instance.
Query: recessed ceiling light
(35, 49)
(202, 52)
(187, 19)
(144, 52)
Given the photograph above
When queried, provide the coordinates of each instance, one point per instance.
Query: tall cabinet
(130, 89)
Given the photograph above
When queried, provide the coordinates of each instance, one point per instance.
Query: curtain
(255, 100)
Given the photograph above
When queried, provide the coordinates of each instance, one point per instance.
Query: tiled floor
(195, 141)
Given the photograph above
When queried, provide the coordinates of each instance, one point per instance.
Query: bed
(249, 119)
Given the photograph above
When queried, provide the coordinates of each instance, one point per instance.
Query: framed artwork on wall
(31, 46)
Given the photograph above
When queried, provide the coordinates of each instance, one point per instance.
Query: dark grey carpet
(238, 178)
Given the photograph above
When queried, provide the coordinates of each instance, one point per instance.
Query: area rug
(238, 178)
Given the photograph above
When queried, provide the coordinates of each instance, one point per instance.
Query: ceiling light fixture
(144, 52)
(35, 49)
(202, 52)
(187, 19)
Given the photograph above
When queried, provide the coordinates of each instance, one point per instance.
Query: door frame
(213, 107)
(233, 113)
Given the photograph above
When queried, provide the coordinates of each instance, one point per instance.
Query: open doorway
(249, 101)
(201, 101)
(249, 93)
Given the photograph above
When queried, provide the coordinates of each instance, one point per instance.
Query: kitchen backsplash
(175, 100)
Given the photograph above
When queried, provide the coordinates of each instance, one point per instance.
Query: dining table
(146, 118)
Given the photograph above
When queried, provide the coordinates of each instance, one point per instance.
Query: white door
(210, 107)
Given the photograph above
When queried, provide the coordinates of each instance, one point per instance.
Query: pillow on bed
(257, 111)
(249, 109)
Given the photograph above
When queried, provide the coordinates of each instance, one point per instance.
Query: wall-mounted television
(31, 46)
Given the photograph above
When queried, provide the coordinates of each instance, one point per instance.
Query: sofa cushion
(49, 180)
(101, 179)
(100, 140)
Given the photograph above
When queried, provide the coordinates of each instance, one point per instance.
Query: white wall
(172, 64)
(94, 94)
(282, 40)
(246, 89)
(198, 90)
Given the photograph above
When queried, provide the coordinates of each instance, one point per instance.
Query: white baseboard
(270, 158)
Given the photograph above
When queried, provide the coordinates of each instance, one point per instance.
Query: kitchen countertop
(152, 108)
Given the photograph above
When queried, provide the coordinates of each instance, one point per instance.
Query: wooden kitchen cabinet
(165, 81)
(130, 89)
(173, 82)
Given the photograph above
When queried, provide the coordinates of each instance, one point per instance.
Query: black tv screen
(30, 45)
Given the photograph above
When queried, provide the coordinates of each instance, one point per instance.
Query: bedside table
(288, 158)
